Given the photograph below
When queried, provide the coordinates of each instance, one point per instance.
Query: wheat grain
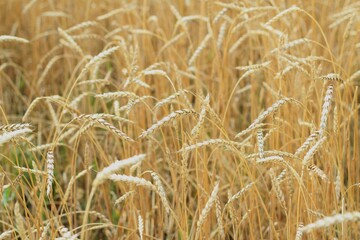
(199, 49)
(299, 232)
(7, 136)
(99, 58)
(307, 143)
(133, 180)
(276, 187)
(254, 66)
(123, 197)
(263, 115)
(35, 171)
(211, 142)
(219, 217)
(310, 154)
(260, 140)
(318, 172)
(6, 38)
(115, 167)
(141, 226)
(6, 234)
(330, 220)
(161, 191)
(50, 170)
(172, 116)
(206, 210)
(338, 186)
(239, 194)
(332, 77)
(325, 109)
(19, 221)
(170, 98)
(221, 36)
(13, 127)
(71, 41)
(196, 130)
(283, 13)
(270, 159)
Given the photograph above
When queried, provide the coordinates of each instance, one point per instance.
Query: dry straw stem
(206, 210)
(263, 115)
(6, 38)
(172, 116)
(50, 171)
(115, 167)
(330, 220)
(326, 109)
(7, 136)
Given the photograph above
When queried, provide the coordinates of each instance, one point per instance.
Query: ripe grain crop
(179, 119)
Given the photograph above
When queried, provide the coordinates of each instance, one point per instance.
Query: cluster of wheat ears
(159, 119)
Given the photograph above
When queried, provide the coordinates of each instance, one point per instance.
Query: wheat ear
(50, 171)
(206, 210)
(330, 220)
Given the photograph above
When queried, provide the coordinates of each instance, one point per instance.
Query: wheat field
(159, 119)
